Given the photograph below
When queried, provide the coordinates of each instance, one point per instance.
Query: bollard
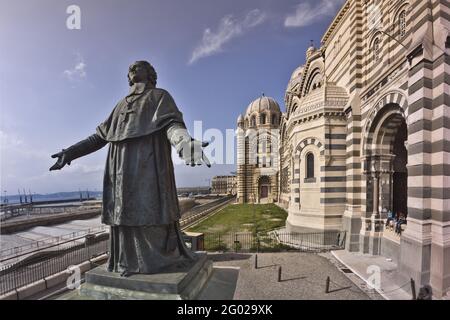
(279, 274)
(327, 285)
(256, 261)
(413, 289)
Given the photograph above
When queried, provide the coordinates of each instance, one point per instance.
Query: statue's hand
(192, 153)
(61, 162)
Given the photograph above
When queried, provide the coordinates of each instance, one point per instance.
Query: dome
(297, 73)
(263, 104)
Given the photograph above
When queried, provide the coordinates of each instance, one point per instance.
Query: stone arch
(294, 108)
(383, 130)
(393, 102)
(385, 160)
(296, 165)
(263, 179)
(308, 141)
(376, 35)
(313, 69)
(314, 77)
(396, 15)
(376, 47)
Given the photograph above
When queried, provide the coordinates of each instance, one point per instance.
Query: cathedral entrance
(264, 192)
(400, 175)
(385, 167)
(264, 189)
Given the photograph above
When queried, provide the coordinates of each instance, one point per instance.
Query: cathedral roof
(261, 104)
(336, 21)
(330, 96)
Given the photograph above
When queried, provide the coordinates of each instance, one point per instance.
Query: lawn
(243, 218)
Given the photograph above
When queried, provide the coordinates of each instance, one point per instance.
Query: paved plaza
(303, 277)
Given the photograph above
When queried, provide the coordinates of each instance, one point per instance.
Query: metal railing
(51, 260)
(29, 210)
(274, 241)
(47, 242)
(49, 263)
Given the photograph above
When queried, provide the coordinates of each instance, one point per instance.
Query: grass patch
(243, 218)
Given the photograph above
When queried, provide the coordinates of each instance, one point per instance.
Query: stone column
(376, 223)
(376, 195)
(440, 147)
(415, 245)
(366, 221)
(351, 219)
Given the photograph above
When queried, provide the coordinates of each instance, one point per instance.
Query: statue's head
(141, 71)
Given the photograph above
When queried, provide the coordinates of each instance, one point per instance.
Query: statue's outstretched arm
(82, 148)
(189, 149)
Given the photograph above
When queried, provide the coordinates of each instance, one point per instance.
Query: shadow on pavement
(217, 257)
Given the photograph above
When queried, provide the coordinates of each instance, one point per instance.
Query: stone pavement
(303, 278)
(392, 286)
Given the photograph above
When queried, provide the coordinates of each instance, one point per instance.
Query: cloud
(228, 29)
(78, 72)
(17, 160)
(307, 14)
(8, 141)
(23, 165)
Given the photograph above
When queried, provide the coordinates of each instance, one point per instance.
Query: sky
(60, 76)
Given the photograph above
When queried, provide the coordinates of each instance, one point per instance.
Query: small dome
(309, 52)
(262, 104)
(240, 119)
(297, 73)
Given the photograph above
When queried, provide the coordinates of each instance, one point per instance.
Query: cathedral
(257, 152)
(365, 133)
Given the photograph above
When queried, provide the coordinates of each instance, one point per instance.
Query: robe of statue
(140, 200)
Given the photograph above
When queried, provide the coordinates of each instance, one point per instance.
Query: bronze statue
(140, 200)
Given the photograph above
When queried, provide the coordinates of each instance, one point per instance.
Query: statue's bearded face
(137, 73)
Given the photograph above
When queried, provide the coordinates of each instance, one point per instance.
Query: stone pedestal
(177, 284)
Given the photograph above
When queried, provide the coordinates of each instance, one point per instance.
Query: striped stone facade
(366, 130)
(258, 152)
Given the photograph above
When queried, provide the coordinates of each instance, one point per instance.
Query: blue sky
(214, 57)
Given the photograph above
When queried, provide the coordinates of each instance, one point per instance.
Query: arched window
(274, 119)
(268, 145)
(253, 121)
(314, 80)
(263, 119)
(294, 108)
(309, 166)
(402, 23)
(376, 47)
